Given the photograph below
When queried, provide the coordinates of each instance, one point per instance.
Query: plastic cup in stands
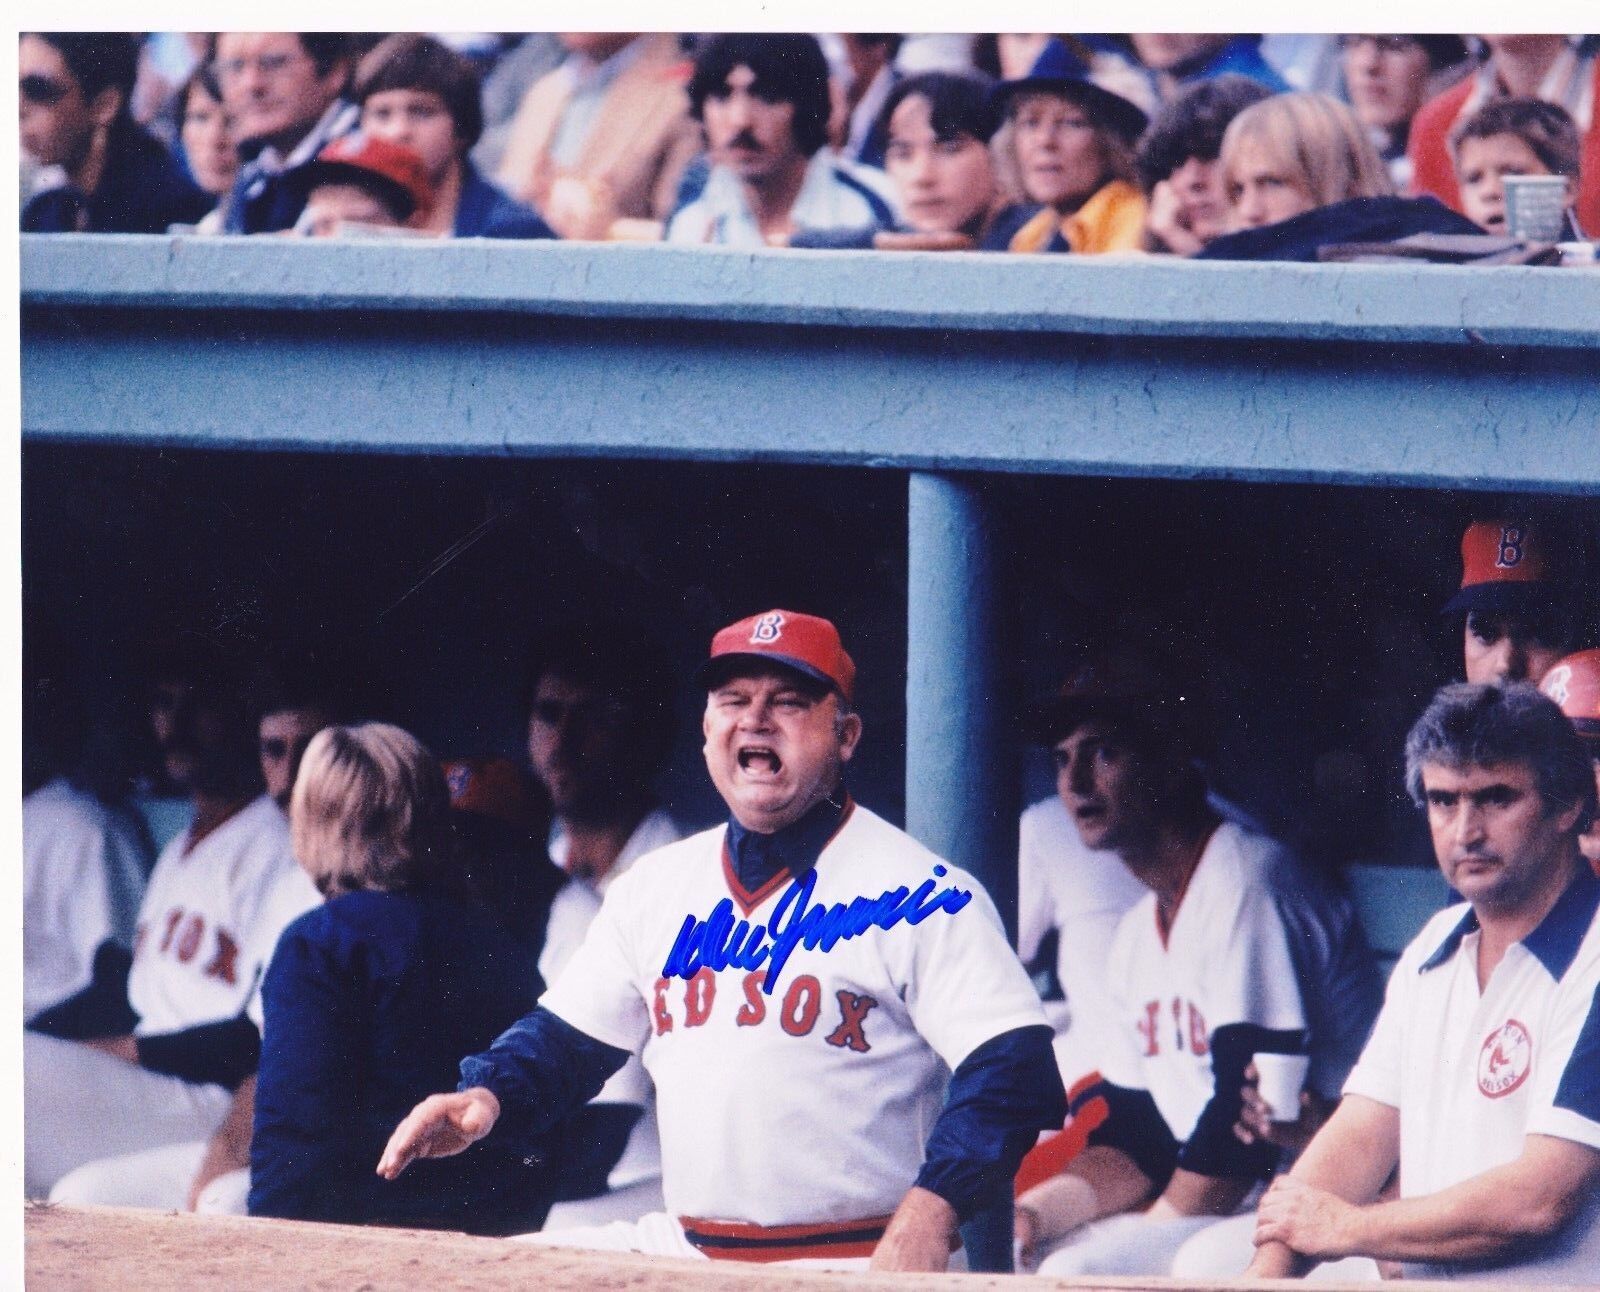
(1280, 1078)
(1535, 207)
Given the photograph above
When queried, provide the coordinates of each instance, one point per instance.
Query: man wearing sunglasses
(73, 89)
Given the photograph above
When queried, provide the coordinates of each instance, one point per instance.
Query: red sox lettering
(798, 1013)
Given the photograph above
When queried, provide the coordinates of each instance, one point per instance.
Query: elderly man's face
(776, 745)
(749, 133)
(1496, 840)
(271, 86)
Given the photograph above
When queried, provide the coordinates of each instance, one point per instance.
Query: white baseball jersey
(83, 870)
(1255, 940)
(656, 830)
(292, 894)
(812, 1103)
(195, 956)
(1083, 895)
(571, 914)
(1474, 1073)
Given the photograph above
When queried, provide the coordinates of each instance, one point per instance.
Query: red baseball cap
(808, 644)
(1574, 684)
(1511, 566)
(378, 164)
(492, 787)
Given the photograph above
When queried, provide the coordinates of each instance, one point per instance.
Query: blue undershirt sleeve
(1002, 1096)
(540, 1068)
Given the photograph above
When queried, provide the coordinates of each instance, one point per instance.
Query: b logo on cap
(1558, 683)
(1512, 539)
(768, 629)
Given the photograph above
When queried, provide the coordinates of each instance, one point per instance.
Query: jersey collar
(1554, 943)
(755, 860)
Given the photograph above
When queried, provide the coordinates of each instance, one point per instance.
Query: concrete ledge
(1149, 297)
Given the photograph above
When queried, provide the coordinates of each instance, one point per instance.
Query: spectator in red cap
(1518, 598)
(905, 1010)
(1574, 684)
(1564, 70)
(363, 181)
(1073, 143)
(416, 91)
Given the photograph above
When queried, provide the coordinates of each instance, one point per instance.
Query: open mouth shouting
(759, 762)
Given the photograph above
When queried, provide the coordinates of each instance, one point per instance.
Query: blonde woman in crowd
(1293, 153)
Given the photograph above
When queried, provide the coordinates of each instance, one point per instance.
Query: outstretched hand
(440, 1126)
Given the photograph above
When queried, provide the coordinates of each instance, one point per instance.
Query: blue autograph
(717, 942)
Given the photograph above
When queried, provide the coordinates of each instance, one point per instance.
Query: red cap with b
(808, 644)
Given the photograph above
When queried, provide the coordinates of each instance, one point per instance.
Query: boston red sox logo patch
(767, 630)
(1505, 1059)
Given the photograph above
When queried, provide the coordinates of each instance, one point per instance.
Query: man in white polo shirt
(1482, 1079)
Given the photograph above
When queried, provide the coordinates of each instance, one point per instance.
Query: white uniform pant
(1127, 1245)
(628, 1204)
(158, 1178)
(1225, 1250)
(81, 1104)
(659, 1234)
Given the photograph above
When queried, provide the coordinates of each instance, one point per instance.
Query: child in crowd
(361, 180)
(415, 91)
(1511, 137)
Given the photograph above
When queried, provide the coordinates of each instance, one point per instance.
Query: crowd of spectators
(1232, 146)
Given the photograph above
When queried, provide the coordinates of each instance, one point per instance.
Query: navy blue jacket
(143, 189)
(1361, 219)
(370, 1002)
(486, 212)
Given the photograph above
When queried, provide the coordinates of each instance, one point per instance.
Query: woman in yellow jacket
(1072, 144)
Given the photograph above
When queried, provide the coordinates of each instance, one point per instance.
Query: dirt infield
(101, 1249)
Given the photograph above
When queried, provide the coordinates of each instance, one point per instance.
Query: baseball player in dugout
(848, 1057)
(1235, 950)
(600, 726)
(1481, 1082)
(1520, 601)
(195, 966)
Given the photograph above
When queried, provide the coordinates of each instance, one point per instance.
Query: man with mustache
(764, 102)
(1480, 1082)
(796, 1090)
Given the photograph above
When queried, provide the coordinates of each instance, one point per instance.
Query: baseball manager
(799, 982)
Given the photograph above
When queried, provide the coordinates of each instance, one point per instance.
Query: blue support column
(961, 732)
(961, 736)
